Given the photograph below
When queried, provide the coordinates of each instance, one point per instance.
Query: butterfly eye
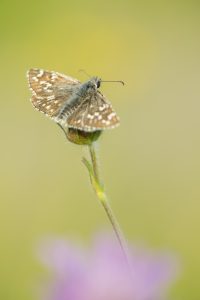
(98, 83)
(88, 86)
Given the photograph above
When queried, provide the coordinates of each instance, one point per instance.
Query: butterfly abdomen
(69, 107)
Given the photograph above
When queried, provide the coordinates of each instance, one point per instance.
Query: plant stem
(94, 159)
(99, 190)
(93, 168)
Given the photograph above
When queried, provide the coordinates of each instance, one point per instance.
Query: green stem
(94, 159)
(99, 190)
(79, 137)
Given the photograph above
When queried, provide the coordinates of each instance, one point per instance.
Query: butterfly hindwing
(93, 114)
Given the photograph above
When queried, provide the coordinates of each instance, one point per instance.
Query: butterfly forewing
(93, 114)
(50, 90)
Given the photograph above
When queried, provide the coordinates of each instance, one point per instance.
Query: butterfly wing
(93, 114)
(50, 90)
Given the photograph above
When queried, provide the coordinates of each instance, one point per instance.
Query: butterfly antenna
(83, 71)
(122, 82)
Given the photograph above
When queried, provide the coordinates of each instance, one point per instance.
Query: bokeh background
(150, 164)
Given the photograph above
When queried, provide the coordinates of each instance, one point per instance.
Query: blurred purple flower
(103, 274)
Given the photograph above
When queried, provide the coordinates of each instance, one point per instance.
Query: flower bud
(80, 137)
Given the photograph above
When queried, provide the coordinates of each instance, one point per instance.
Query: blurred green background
(150, 164)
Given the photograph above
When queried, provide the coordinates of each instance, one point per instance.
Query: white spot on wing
(102, 107)
(34, 78)
(90, 116)
(41, 72)
(50, 97)
(113, 114)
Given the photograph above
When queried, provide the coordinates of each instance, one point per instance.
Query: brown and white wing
(50, 90)
(94, 114)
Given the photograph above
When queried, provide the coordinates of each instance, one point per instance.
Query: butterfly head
(93, 84)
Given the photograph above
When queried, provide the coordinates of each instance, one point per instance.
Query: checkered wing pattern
(95, 113)
(50, 90)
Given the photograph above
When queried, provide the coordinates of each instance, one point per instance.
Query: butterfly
(71, 103)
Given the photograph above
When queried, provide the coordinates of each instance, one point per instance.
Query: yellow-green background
(150, 164)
